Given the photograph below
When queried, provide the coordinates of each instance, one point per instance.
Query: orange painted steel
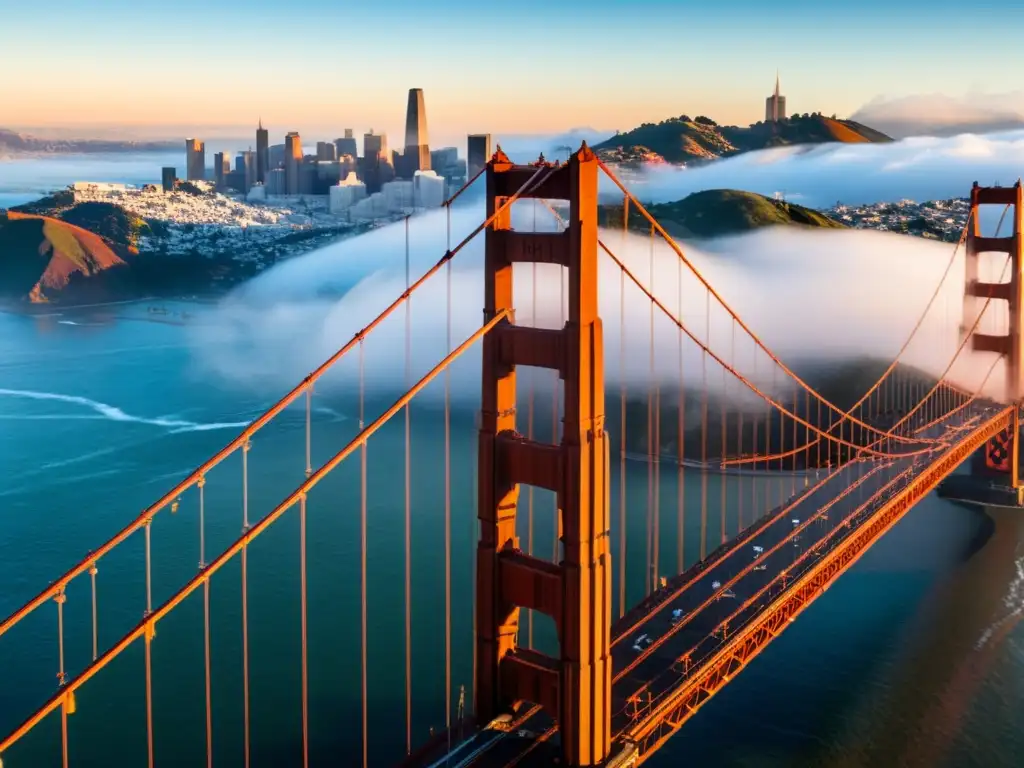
(711, 291)
(575, 687)
(689, 697)
(651, 609)
(147, 627)
(198, 474)
(782, 575)
(754, 388)
(747, 569)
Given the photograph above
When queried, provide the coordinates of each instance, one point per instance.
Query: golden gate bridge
(618, 680)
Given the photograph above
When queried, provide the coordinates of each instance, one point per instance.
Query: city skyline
(637, 70)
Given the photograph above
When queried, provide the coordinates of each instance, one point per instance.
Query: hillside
(43, 256)
(682, 140)
(56, 251)
(717, 212)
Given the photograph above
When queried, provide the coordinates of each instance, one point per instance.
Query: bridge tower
(1002, 452)
(576, 592)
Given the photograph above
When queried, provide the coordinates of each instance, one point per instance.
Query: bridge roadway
(670, 638)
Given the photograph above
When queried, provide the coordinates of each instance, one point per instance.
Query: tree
(703, 120)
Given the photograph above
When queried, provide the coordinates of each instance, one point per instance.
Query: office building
(346, 193)
(398, 195)
(168, 176)
(195, 160)
(276, 183)
(478, 153)
(276, 155)
(221, 167)
(775, 105)
(325, 150)
(246, 164)
(235, 180)
(347, 145)
(443, 158)
(377, 166)
(262, 153)
(417, 150)
(429, 189)
(292, 162)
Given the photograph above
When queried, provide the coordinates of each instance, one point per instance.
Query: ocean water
(915, 657)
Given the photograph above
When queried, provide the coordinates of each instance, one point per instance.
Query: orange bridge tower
(1002, 452)
(576, 592)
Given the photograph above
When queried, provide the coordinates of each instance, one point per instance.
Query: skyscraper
(347, 145)
(477, 153)
(775, 105)
(262, 153)
(376, 164)
(325, 150)
(292, 161)
(417, 149)
(168, 177)
(195, 160)
(221, 167)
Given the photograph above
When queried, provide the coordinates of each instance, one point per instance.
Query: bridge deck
(668, 642)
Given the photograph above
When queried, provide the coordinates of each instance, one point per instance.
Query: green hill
(716, 212)
(682, 140)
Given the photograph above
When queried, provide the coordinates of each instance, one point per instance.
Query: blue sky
(142, 64)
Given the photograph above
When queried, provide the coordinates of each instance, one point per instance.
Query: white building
(276, 182)
(257, 194)
(430, 190)
(346, 193)
(373, 207)
(398, 194)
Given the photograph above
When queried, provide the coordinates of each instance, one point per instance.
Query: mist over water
(809, 295)
(919, 168)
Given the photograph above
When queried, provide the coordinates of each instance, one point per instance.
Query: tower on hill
(775, 105)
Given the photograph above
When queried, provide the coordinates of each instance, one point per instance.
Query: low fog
(811, 295)
(821, 175)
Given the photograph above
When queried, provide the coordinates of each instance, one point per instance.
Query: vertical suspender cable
(408, 497)
(725, 427)
(448, 506)
(362, 531)
(202, 523)
(680, 440)
(245, 601)
(149, 693)
(93, 570)
(302, 614)
(529, 431)
(206, 654)
(651, 576)
(60, 599)
(739, 449)
(555, 412)
(704, 430)
(622, 428)
(309, 430)
(149, 570)
(149, 655)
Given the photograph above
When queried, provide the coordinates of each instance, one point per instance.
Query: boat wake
(1014, 601)
(113, 413)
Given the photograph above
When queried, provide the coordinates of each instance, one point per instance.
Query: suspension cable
(362, 537)
(171, 496)
(675, 247)
(750, 385)
(408, 488)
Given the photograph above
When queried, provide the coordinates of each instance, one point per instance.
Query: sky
(145, 67)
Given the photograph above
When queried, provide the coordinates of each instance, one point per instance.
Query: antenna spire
(776, 83)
